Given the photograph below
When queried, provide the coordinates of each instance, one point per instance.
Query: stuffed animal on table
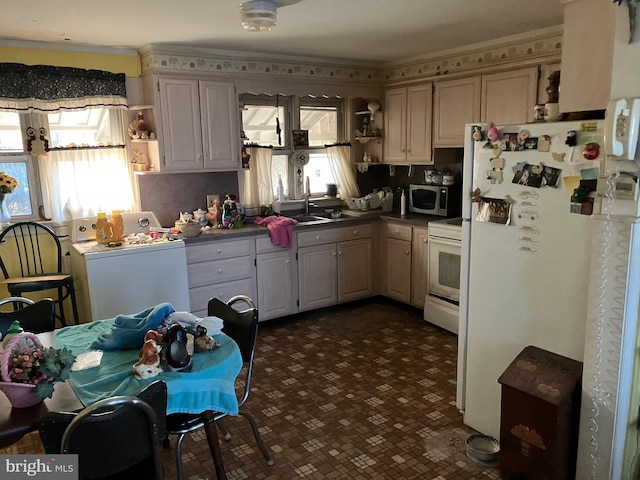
(149, 364)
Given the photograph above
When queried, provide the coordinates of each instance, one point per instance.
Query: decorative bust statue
(554, 86)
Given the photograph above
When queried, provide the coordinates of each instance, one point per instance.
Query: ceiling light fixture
(258, 15)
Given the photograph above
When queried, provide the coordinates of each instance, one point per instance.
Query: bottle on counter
(118, 226)
(104, 229)
(280, 189)
(403, 204)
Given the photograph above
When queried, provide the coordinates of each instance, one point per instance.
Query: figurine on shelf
(141, 128)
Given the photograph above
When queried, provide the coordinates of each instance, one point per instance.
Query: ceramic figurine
(175, 349)
(149, 364)
(14, 329)
(203, 342)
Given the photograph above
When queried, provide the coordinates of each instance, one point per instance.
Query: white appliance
(129, 278)
(441, 306)
(525, 283)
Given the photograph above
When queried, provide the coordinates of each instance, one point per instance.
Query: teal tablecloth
(209, 386)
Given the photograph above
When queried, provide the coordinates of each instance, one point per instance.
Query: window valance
(44, 88)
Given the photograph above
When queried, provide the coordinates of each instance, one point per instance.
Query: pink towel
(280, 229)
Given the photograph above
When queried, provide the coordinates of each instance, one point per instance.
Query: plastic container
(104, 229)
(118, 226)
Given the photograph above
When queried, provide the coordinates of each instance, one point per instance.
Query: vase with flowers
(7, 185)
(30, 370)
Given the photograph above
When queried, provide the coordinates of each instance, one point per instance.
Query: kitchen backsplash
(168, 195)
(446, 159)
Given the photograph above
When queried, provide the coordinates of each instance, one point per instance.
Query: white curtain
(258, 183)
(80, 182)
(340, 164)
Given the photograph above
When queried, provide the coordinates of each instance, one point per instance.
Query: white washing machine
(129, 278)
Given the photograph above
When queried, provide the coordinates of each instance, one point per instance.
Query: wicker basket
(188, 229)
(21, 395)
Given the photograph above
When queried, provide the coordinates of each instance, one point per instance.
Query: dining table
(207, 389)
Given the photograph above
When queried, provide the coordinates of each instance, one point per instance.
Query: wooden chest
(540, 416)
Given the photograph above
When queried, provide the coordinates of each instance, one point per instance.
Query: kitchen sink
(308, 218)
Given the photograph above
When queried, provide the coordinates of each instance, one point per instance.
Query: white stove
(441, 306)
(128, 278)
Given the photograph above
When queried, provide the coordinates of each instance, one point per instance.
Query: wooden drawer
(229, 269)
(334, 235)
(199, 297)
(401, 232)
(213, 250)
(264, 245)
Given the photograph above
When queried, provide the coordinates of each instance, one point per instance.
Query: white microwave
(441, 200)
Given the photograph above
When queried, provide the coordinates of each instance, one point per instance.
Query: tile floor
(363, 391)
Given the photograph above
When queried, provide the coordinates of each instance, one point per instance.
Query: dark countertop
(251, 229)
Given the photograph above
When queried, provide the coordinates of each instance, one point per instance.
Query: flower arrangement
(28, 362)
(7, 183)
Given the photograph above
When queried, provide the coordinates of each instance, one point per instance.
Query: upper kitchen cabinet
(199, 125)
(587, 55)
(509, 97)
(407, 125)
(455, 103)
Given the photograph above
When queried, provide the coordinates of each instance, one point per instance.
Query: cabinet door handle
(334, 254)
(219, 270)
(288, 261)
(355, 232)
(406, 252)
(218, 251)
(424, 240)
(397, 232)
(340, 253)
(317, 237)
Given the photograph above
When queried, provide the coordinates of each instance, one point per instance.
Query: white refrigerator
(526, 282)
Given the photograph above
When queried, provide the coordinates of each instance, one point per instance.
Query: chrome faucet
(307, 194)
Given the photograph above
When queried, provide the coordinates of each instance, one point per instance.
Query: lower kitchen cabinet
(318, 276)
(419, 266)
(398, 262)
(355, 280)
(277, 279)
(334, 266)
(221, 270)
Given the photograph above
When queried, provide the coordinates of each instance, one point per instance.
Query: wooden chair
(115, 438)
(34, 317)
(31, 261)
(242, 327)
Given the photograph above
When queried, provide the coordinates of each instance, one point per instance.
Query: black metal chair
(115, 438)
(242, 327)
(31, 261)
(34, 317)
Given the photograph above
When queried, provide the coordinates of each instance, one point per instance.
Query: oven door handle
(445, 241)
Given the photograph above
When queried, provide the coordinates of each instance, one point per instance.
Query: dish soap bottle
(104, 229)
(403, 204)
(118, 226)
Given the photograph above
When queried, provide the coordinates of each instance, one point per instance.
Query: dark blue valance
(46, 89)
